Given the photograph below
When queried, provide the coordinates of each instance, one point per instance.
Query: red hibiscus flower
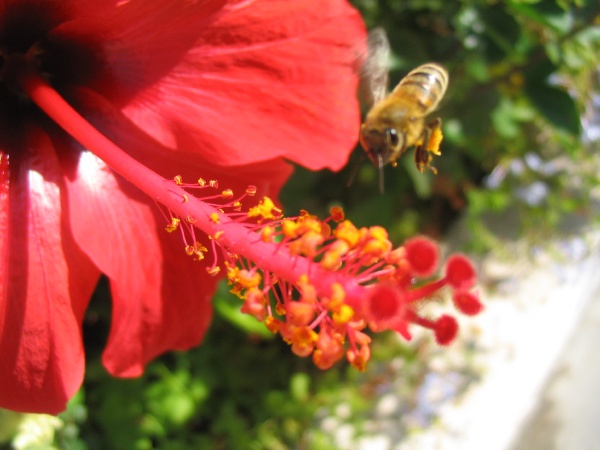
(213, 88)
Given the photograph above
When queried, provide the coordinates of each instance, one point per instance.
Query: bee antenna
(355, 169)
(380, 168)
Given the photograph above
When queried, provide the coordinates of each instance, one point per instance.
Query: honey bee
(397, 121)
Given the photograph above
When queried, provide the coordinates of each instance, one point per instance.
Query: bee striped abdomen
(426, 85)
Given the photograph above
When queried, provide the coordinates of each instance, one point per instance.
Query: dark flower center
(30, 34)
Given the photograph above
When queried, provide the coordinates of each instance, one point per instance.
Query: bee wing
(377, 64)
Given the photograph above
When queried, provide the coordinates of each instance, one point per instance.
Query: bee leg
(423, 159)
(429, 145)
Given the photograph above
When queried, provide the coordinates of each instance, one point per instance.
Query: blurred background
(516, 189)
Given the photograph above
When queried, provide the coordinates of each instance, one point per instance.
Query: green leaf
(509, 116)
(503, 120)
(501, 32)
(556, 106)
(546, 13)
(553, 102)
(478, 69)
(228, 307)
(300, 386)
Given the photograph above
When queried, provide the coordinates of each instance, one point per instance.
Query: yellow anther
(227, 193)
(359, 359)
(213, 184)
(331, 260)
(178, 180)
(215, 217)
(202, 182)
(307, 291)
(197, 251)
(305, 335)
(273, 324)
(336, 298)
(310, 224)
(237, 206)
(267, 234)
(347, 232)
(300, 313)
(338, 294)
(377, 248)
(303, 280)
(265, 209)
(289, 228)
(185, 198)
(307, 244)
(173, 225)
(237, 291)
(303, 341)
(251, 190)
(232, 273)
(377, 243)
(378, 232)
(339, 246)
(343, 315)
(217, 235)
(249, 279)
(213, 271)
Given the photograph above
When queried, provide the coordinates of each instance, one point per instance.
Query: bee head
(382, 145)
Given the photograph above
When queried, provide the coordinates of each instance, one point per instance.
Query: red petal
(268, 176)
(161, 301)
(259, 79)
(267, 79)
(121, 51)
(42, 297)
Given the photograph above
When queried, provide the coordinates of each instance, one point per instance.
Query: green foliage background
(521, 124)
